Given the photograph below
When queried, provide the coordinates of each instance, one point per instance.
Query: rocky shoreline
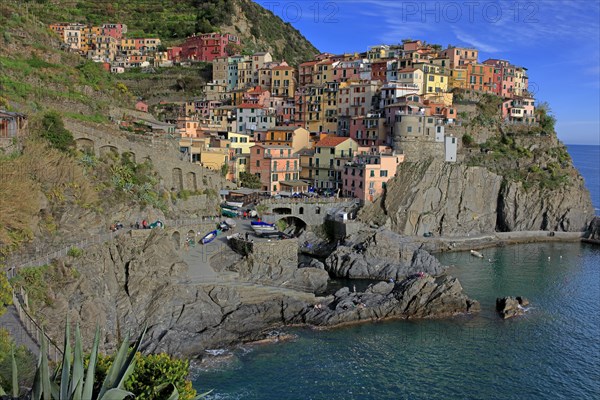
(143, 280)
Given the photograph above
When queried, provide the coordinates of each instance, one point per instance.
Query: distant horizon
(548, 37)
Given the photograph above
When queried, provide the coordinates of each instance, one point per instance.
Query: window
(409, 129)
(274, 178)
(332, 150)
(274, 188)
(242, 161)
(383, 174)
(372, 174)
(301, 210)
(258, 163)
(318, 209)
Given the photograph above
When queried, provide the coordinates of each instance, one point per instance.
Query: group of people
(116, 226)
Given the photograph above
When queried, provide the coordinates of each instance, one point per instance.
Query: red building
(207, 47)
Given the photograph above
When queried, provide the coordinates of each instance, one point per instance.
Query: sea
(551, 352)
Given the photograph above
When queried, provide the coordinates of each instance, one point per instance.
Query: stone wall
(311, 212)
(164, 154)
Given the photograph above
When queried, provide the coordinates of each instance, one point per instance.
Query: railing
(34, 330)
(312, 200)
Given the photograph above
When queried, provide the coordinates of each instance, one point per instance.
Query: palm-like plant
(77, 383)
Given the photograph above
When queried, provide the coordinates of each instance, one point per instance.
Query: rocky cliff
(137, 281)
(458, 199)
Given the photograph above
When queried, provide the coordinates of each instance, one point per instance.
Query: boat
(234, 236)
(259, 226)
(209, 237)
(226, 212)
(476, 254)
(231, 223)
(261, 223)
(156, 224)
(236, 204)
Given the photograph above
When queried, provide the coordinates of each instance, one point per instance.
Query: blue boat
(209, 237)
(261, 223)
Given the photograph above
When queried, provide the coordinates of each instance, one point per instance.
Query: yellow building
(323, 72)
(283, 81)
(295, 137)
(458, 78)
(331, 155)
(434, 80)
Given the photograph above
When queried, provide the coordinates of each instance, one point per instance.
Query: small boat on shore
(260, 226)
(234, 204)
(475, 253)
(209, 237)
(227, 212)
(230, 222)
(234, 236)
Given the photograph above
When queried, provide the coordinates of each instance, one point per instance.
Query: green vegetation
(153, 376)
(488, 111)
(54, 131)
(35, 282)
(75, 252)
(78, 377)
(172, 22)
(23, 359)
(249, 180)
(545, 117)
(467, 140)
(5, 294)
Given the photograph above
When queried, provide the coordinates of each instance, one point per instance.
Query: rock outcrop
(457, 199)
(509, 307)
(136, 281)
(383, 256)
(419, 296)
(593, 232)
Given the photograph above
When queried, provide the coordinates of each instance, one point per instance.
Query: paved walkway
(10, 321)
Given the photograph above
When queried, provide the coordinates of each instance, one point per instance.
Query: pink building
(366, 176)
(519, 108)
(141, 106)
(174, 53)
(275, 166)
(204, 107)
(208, 46)
(114, 30)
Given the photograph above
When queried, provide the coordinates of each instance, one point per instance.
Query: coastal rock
(383, 256)
(509, 307)
(419, 296)
(457, 199)
(593, 232)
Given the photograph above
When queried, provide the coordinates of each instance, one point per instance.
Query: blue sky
(558, 41)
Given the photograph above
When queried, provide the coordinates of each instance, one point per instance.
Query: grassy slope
(173, 20)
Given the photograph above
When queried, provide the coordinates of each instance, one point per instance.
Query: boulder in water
(509, 307)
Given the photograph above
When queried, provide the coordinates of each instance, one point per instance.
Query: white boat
(234, 236)
(264, 228)
(230, 222)
(476, 254)
(236, 204)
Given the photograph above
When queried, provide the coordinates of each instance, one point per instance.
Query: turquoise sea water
(553, 352)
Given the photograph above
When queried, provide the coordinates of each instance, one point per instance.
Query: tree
(54, 131)
(249, 180)
(545, 117)
(224, 170)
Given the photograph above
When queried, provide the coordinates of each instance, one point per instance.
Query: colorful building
(275, 166)
(366, 175)
(208, 46)
(331, 155)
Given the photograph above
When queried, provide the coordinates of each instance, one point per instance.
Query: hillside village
(337, 124)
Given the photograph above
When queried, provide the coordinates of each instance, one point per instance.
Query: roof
(283, 67)
(409, 70)
(306, 152)
(266, 146)
(332, 141)
(284, 128)
(245, 105)
(294, 183)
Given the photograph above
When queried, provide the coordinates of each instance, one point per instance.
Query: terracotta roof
(249, 106)
(283, 67)
(332, 141)
(408, 70)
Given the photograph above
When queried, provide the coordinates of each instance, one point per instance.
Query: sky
(558, 41)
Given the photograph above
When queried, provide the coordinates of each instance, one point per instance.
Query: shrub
(467, 140)
(75, 252)
(5, 293)
(23, 358)
(54, 131)
(249, 180)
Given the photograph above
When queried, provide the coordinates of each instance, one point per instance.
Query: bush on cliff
(54, 131)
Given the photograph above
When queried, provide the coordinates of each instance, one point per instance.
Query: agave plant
(77, 383)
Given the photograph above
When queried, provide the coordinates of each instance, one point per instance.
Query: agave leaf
(115, 394)
(77, 377)
(15, 378)
(129, 364)
(66, 364)
(45, 373)
(175, 394)
(55, 390)
(203, 395)
(113, 371)
(78, 389)
(88, 387)
(36, 390)
(2, 392)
